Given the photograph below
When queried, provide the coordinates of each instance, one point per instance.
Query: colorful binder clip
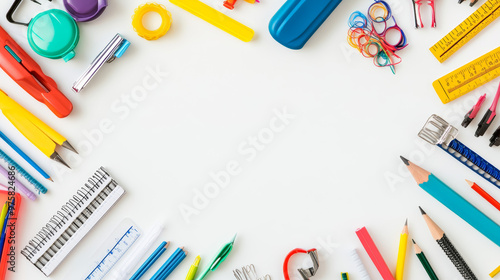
(115, 49)
(28, 74)
(305, 273)
(85, 10)
(52, 33)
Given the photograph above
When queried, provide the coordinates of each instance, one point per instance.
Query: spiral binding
(456, 258)
(474, 161)
(66, 214)
(39, 187)
(359, 264)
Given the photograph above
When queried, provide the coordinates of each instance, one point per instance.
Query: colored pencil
(495, 272)
(423, 260)
(175, 263)
(403, 241)
(484, 194)
(453, 201)
(172, 260)
(150, 261)
(374, 253)
(450, 251)
(25, 156)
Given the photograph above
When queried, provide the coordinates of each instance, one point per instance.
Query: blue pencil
(175, 263)
(25, 156)
(167, 264)
(4, 229)
(150, 261)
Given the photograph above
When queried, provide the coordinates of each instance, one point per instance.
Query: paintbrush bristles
(420, 175)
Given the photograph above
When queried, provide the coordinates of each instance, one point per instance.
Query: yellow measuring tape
(466, 30)
(468, 77)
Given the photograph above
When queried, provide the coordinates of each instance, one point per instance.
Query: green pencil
(424, 261)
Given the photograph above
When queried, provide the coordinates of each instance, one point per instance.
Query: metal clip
(115, 49)
(437, 131)
(305, 273)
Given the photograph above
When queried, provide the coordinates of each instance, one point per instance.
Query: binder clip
(305, 273)
(115, 49)
(52, 33)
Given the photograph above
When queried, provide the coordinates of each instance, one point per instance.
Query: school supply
(193, 269)
(472, 2)
(374, 253)
(471, 115)
(453, 201)
(17, 184)
(484, 194)
(219, 258)
(170, 265)
(37, 132)
(297, 20)
(85, 10)
(248, 273)
(150, 261)
(11, 229)
(489, 116)
(305, 273)
(76, 218)
(114, 49)
(52, 33)
(166, 21)
(5, 225)
(363, 274)
(495, 138)
(448, 248)
(403, 241)
(368, 34)
(466, 30)
(19, 170)
(423, 260)
(417, 5)
(111, 250)
(438, 132)
(24, 156)
(5, 208)
(27, 73)
(495, 272)
(216, 18)
(127, 265)
(344, 275)
(230, 3)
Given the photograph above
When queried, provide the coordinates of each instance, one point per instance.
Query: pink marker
(18, 184)
(374, 253)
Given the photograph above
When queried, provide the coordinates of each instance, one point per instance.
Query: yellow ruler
(468, 77)
(466, 30)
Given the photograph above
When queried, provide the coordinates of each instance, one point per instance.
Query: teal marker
(219, 258)
(456, 203)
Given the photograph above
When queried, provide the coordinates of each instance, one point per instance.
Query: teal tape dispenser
(297, 20)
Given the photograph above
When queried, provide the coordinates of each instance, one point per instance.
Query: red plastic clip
(305, 273)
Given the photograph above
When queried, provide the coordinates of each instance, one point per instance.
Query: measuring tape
(110, 252)
(468, 77)
(466, 30)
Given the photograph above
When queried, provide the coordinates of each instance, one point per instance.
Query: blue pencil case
(297, 20)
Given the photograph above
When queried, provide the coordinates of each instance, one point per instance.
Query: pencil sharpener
(85, 10)
(53, 34)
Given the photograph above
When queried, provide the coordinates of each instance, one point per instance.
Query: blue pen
(4, 229)
(150, 261)
(175, 263)
(168, 263)
(25, 156)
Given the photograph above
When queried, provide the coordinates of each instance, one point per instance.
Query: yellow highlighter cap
(166, 20)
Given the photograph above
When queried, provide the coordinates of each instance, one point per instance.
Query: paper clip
(417, 5)
(249, 273)
(305, 273)
(115, 49)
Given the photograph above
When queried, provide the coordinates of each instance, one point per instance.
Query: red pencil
(484, 194)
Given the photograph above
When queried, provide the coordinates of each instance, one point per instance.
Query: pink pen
(18, 184)
(489, 116)
(374, 253)
(472, 114)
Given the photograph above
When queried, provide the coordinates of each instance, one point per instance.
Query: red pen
(28, 74)
(484, 194)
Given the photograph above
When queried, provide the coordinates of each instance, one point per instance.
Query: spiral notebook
(76, 218)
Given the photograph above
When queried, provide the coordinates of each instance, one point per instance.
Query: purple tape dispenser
(85, 10)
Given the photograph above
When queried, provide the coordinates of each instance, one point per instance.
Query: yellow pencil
(37, 132)
(193, 269)
(403, 241)
(4, 213)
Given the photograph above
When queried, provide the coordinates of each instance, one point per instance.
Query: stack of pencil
(166, 269)
(7, 209)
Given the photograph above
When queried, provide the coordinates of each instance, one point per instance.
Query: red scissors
(28, 74)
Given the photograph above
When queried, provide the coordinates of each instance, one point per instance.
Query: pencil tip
(406, 222)
(469, 182)
(56, 157)
(50, 179)
(422, 210)
(68, 146)
(413, 241)
(407, 162)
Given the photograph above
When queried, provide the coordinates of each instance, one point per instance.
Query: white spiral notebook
(75, 219)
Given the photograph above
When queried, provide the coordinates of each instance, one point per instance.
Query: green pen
(221, 256)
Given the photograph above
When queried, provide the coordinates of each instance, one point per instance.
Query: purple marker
(18, 184)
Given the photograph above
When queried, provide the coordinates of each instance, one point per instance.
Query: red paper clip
(28, 74)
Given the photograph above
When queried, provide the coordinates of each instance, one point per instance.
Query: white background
(319, 179)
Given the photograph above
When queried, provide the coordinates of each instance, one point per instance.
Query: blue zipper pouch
(297, 20)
